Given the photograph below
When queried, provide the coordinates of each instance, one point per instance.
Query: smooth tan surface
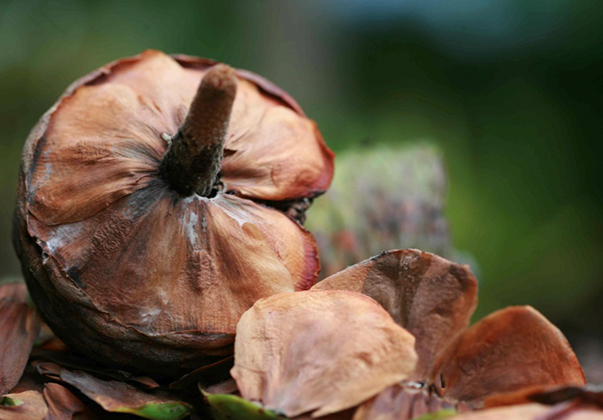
(510, 349)
(319, 351)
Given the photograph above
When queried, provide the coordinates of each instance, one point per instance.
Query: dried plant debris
(336, 352)
(19, 327)
(67, 358)
(62, 404)
(429, 296)
(513, 348)
(319, 351)
(403, 402)
(119, 397)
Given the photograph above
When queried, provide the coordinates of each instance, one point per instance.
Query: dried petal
(48, 369)
(429, 296)
(28, 405)
(508, 350)
(119, 397)
(19, 327)
(62, 404)
(319, 351)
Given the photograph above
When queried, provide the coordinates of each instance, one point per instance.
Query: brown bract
(111, 251)
(429, 296)
(19, 327)
(319, 351)
(511, 349)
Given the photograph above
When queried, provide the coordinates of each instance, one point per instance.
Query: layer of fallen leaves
(385, 339)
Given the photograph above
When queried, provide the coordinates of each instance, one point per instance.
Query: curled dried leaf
(116, 396)
(119, 397)
(319, 351)
(511, 349)
(19, 327)
(62, 404)
(429, 296)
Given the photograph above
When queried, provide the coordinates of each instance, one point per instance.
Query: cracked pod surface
(126, 259)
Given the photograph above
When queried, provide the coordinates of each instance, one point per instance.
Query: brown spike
(192, 163)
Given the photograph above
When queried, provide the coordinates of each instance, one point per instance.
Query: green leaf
(10, 402)
(441, 414)
(161, 411)
(230, 407)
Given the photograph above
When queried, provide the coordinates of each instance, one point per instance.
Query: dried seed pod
(137, 220)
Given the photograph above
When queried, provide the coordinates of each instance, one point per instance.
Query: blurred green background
(510, 90)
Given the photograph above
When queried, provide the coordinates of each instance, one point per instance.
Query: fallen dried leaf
(510, 349)
(431, 297)
(19, 327)
(119, 397)
(319, 351)
(62, 404)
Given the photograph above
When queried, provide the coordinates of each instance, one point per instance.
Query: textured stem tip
(192, 162)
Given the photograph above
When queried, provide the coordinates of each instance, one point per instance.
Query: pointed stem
(192, 162)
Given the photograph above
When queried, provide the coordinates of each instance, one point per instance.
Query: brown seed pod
(142, 219)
